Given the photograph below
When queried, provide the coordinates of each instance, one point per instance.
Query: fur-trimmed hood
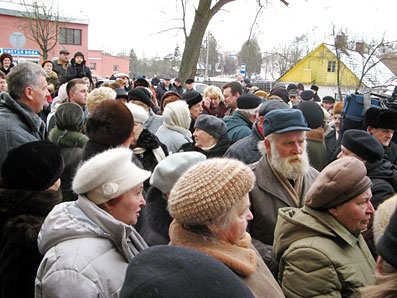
(15, 202)
(65, 138)
(316, 135)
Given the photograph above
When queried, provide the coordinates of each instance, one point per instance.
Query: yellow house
(320, 67)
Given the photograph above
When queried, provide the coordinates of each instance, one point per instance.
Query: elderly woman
(53, 79)
(175, 129)
(6, 63)
(98, 95)
(211, 209)
(87, 244)
(210, 137)
(213, 102)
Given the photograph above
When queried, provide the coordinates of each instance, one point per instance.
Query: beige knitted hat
(209, 190)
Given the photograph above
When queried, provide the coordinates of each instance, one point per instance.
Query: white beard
(290, 170)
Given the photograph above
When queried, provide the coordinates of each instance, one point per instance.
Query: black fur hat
(381, 118)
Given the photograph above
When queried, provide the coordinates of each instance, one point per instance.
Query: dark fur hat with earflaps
(381, 118)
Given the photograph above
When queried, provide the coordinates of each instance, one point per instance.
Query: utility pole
(206, 59)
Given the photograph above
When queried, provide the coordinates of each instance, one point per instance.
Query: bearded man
(283, 174)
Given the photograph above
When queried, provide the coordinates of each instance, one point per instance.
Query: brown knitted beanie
(209, 190)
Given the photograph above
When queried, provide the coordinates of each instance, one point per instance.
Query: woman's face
(6, 62)
(237, 223)
(78, 59)
(203, 139)
(48, 67)
(196, 110)
(214, 101)
(138, 128)
(129, 205)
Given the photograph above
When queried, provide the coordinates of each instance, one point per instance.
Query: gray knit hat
(209, 190)
(211, 124)
(69, 116)
(169, 169)
(108, 175)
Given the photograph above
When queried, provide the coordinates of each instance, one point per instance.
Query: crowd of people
(142, 188)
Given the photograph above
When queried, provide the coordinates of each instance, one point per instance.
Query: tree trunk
(191, 52)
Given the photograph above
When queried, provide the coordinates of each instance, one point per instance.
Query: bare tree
(251, 55)
(41, 25)
(340, 41)
(203, 14)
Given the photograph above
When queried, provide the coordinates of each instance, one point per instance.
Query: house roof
(379, 75)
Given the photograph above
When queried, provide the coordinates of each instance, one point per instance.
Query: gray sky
(121, 25)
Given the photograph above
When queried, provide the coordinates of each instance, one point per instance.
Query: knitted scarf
(295, 193)
(238, 257)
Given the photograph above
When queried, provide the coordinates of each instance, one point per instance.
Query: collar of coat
(31, 119)
(239, 257)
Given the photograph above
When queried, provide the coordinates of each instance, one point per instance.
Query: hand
(206, 102)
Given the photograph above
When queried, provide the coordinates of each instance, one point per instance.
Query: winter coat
(319, 257)
(53, 79)
(246, 149)
(316, 148)
(7, 71)
(60, 70)
(218, 112)
(217, 151)
(86, 251)
(78, 71)
(18, 125)
(178, 89)
(153, 123)
(330, 143)
(242, 258)
(383, 175)
(22, 212)
(158, 220)
(267, 196)
(391, 153)
(172, 138)
(71, 144)
(237, 126)
(161, 90)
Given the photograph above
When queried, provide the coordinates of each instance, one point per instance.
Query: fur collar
(65, 138)
(19, 201)
(147, 140)
(239, 257)
(315, 134)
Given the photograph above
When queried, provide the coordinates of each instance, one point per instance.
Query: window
(70, 36)
(92, 66)
(115, 68)
(331, 66)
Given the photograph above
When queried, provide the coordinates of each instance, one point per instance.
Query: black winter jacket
(22, 213)
(383, 175)
(78, 71)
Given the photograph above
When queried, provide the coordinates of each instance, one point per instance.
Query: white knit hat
(168, 170)
(140, 115)
(108, 175)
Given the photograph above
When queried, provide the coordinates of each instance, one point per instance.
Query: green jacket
(318, 256)
(237, 126)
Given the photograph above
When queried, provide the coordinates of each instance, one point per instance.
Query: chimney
(341, 41)
(360, 47)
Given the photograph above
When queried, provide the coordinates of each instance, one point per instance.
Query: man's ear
(267, 145)
(379, 264)
(28, 93)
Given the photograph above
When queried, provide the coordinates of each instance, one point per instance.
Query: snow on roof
(378, 76)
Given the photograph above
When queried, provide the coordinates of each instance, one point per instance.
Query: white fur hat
(140, 115)
(168, 170)
(108, 175)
